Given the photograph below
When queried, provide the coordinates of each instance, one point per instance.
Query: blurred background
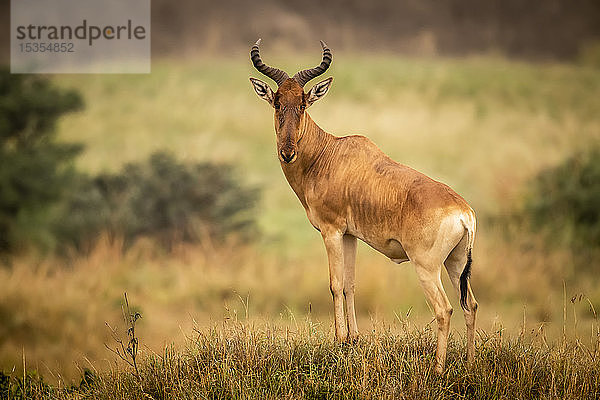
(166, 186)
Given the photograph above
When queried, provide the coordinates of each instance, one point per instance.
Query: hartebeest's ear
(318, 91)
(262, 90)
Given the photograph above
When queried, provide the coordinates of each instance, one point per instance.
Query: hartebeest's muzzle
(287, 155)
(287, 134)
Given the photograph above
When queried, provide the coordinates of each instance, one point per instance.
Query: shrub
(160, 198)
(34, 168)
(564, 201)
(45, 202)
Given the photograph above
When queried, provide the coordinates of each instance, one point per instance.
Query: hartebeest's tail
(464, 276)
(464, 280)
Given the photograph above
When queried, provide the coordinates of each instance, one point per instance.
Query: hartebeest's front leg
(349, 275)
(334, 244)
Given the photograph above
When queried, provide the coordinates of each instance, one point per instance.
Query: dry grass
(240, 360)
(243, 361)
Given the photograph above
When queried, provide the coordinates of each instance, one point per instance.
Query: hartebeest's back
(350, 189)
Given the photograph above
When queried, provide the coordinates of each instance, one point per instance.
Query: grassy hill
(240, 360)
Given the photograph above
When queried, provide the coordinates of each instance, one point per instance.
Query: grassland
(483, 125)
(242, 360)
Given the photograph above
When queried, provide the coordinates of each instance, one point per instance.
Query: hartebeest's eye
(302, 107)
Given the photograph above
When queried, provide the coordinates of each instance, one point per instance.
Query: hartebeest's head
(290, 101)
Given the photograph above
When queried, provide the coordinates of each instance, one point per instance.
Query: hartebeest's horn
(276, 74)
(306, 75)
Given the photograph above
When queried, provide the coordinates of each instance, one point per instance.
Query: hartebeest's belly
(371, 235)
(390, 247)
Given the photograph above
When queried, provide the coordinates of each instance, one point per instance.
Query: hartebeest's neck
(313, 143)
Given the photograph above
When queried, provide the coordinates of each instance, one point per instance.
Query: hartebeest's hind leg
(334, 244)
(349, 279)
(430, 279)
(455, 265)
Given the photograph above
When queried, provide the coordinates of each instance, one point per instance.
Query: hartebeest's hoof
(352, 339)
(470, 362)
(341, 337)
(439, 369)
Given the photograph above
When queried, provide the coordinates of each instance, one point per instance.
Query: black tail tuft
(464, 279)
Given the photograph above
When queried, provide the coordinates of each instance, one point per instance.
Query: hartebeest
(350, 189)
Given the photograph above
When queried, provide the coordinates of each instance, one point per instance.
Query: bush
(564, 201)
(34, 168)
(46, 203)
(162, 199)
